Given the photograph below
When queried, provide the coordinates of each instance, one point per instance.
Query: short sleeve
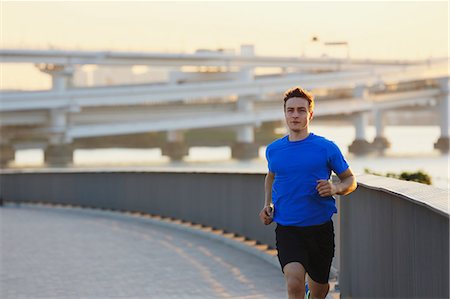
(336, 160)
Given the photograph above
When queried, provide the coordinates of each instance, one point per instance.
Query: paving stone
(73, 253)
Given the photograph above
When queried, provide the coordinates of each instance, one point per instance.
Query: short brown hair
(298, 92)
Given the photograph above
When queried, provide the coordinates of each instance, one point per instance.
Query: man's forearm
(346, 185)
(268, 199)
(268, 191)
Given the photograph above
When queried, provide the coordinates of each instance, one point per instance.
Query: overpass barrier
(227, 201)
(392, 236)
(394, 240)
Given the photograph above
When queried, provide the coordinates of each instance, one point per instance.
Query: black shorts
(311, 246)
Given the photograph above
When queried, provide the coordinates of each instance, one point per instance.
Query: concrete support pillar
(59, 151)
(360, 121)
(58, 155)
(360, 145)
(245, 146)
(245, 134)
(247, 72)
(62, 75)
(175, 148)
(7, 154)
(58, 121)
(442, 143)
(380, 142)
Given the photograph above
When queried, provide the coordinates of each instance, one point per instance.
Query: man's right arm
(270, 176)
(266, 214)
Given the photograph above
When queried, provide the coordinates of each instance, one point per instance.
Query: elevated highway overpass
(222, 91)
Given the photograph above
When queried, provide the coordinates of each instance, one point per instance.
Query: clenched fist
(326, 188)
(266, 215)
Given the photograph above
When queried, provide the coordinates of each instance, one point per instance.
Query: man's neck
(297, 136)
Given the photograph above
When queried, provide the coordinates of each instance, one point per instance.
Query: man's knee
(319, 291)
(295, 286)
(295, 279)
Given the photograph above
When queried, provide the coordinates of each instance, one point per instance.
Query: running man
(299, 197)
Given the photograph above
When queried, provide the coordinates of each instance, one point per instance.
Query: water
(411, 150)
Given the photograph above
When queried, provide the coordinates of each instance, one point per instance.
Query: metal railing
(393, 236)
(394, 240)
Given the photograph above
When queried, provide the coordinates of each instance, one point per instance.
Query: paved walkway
(75, 253)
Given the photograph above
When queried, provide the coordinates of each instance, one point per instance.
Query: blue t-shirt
(297, 166)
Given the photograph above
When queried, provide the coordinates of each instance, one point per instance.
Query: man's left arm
(345, 186)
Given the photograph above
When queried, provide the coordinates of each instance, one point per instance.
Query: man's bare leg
(318, 290)
(295, 273)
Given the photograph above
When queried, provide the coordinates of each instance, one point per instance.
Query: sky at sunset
(392, 30)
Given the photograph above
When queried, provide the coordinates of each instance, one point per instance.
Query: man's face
(297, 114)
